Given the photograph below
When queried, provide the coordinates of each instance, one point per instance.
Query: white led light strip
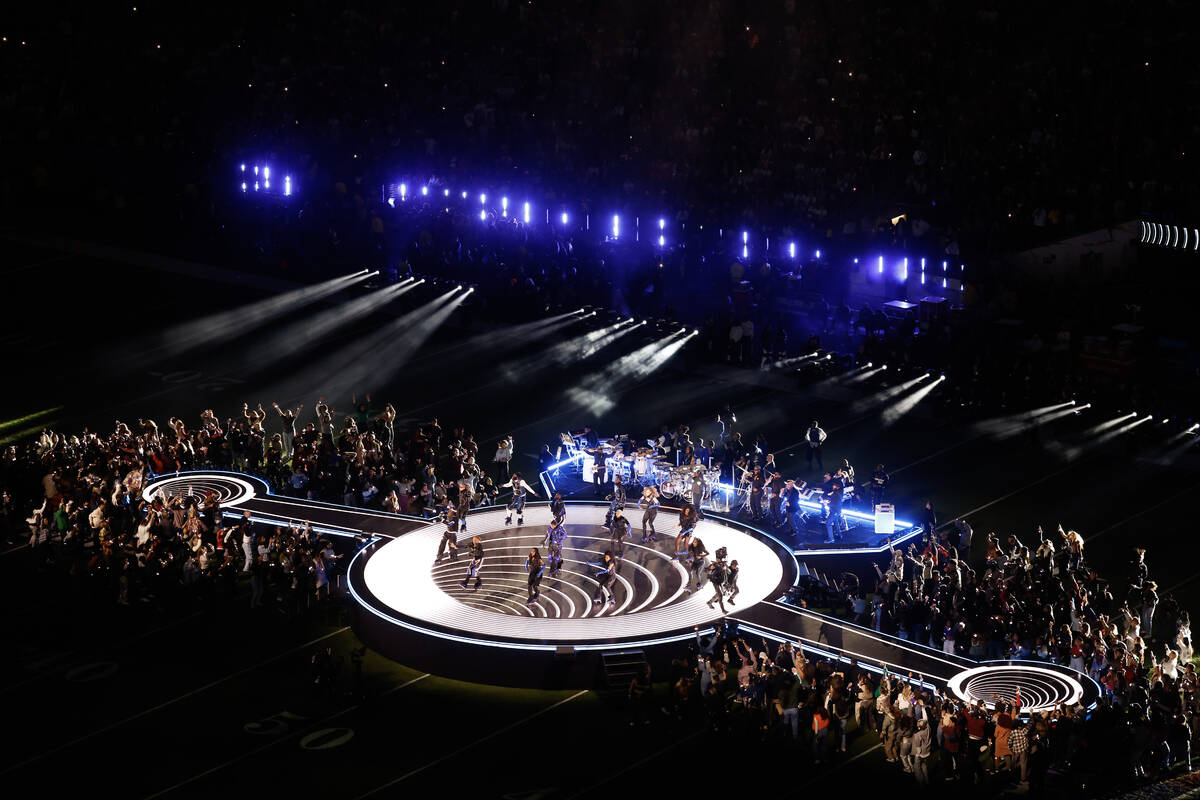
(398, 574)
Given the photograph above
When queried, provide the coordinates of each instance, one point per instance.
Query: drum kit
(643, 467)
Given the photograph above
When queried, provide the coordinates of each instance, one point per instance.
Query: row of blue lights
(400, 192)
(259, 178)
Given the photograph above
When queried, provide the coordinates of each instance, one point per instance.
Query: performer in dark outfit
(517, 504)
(464, 504)
(616, 500)
(620, 531)
(535, 567)
(731, 578)
(716, 576)
(476, 563)
(555, 535)
(558, 507)
(698, 552)
(879, 482)
(648, 502)
(449, 537)
(757, 482)
(791, 507)
(834, 521)
(606, 570)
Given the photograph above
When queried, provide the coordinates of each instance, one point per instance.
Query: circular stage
(230, 489)
(651, 588)
(1043, 686)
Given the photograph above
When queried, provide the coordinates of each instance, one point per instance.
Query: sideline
(160, 706)
(281, 739)
(470, 745)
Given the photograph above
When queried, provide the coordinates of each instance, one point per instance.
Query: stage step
(621, 666)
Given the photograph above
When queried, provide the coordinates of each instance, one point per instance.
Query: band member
(815, 437)
(616, 500)
(834, 521)
(620, 531)
(929, 522)
(464, 504)
(731, 579)
(476, 563)
(757, 482)
(449, 537)
(599, 471)
(519, 488)
(697, 488)
(716, 576)
(649, 503)
(558, 508)
(775, 484)
(535, 566)
(879, 482)
(606, 569)
(791, 507)
(698, 553)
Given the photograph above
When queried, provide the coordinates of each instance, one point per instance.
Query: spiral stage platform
(416, 611)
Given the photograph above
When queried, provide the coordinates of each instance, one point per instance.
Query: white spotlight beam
(307, 332)
(227, 325)
(1103, 426)
(893, 413)
(879, 398)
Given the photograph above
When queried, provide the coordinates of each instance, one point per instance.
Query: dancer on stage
(716, 576)
(649, 503)
(606, 570)
(464, 504)
(519, 488)
(476, 563)
(683, 540)
(620, 531)
(616, 500)
(449, 537)
(698, 553)
(535, 567)
(731, 579)
(558, 507)
(555, 534)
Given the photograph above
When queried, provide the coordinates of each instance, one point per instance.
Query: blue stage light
(792, 250)
(616, 229)
(445, 192)
(483, 215)
(881, 265)
(904, 269)
(482, 199)
(392, 202)
(504, 207)
(424, 191)
(403, 192)
(287, 185)
(818, 255)
(266, 173)
(525, 211)
(464, 195)
(564, 218)
(243, 186)
(662, 223)
(243, 167)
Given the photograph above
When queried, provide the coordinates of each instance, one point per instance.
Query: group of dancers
(690, 550)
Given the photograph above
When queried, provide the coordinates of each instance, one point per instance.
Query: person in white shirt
(504, 454)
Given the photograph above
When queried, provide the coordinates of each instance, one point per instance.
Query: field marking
(829, 773)
(613, 775)
(160, 706)
(1160, 504)
(470, 745)
(285, 738)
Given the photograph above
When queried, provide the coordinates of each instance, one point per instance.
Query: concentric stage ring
(651, 592)
(1042, 688)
